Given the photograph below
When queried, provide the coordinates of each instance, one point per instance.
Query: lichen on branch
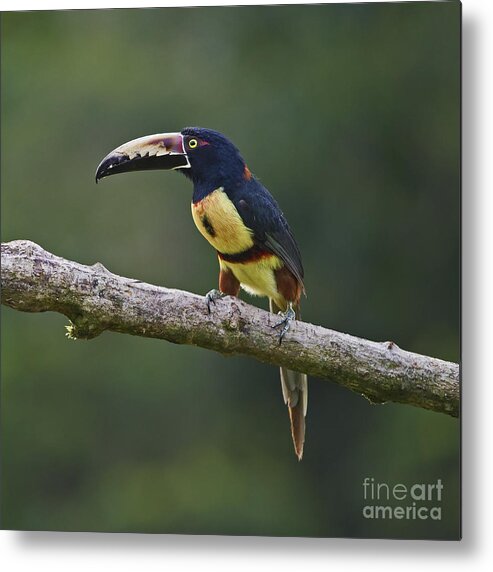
(95, 300)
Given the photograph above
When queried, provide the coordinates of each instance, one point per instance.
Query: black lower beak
(154, 152)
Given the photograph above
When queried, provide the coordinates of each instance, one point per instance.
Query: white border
(53, 552)
(81, 4)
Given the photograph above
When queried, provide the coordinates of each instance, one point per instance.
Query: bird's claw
(287, 317)
(211, 297)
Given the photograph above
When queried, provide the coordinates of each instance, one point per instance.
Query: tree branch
(95, 300)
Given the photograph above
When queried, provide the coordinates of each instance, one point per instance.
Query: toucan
(242, 221)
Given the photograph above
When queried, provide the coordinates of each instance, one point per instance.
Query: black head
(213, 158)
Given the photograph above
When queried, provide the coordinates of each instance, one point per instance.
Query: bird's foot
(211, 297)
(287, 317)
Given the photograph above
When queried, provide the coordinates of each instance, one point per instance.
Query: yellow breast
(219, 222)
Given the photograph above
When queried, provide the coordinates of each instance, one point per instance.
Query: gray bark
(96, 300)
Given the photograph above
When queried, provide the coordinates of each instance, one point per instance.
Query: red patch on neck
(247, 175)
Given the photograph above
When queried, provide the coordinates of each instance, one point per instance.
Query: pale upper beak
(154, 152)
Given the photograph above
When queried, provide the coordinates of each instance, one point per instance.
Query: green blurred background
(350, 116)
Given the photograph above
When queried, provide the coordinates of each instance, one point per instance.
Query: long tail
(295, 392)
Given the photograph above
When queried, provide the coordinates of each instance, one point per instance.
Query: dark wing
(284, 245)
(261, 213)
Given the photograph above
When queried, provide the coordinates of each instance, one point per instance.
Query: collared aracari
(244, 224)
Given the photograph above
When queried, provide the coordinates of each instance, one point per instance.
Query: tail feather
(295, 392)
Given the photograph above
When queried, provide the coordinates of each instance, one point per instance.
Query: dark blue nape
(218, 163)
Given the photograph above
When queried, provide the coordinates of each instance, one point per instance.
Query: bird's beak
(154, 152)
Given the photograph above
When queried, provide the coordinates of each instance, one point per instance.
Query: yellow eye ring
(193, 143)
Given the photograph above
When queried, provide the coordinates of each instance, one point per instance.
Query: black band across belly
(251, 255)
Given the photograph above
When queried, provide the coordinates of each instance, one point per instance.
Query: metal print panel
(276, 184)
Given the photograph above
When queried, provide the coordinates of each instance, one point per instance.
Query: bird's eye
(193, 143)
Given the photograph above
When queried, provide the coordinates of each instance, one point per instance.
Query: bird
(242, 221)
